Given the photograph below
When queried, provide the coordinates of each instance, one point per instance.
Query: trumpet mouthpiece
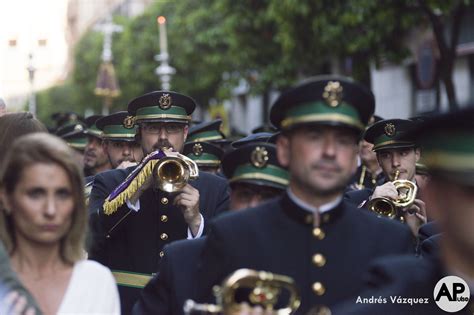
(397, 173)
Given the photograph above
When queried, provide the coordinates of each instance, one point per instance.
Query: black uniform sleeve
(215, 265)
(156, 296)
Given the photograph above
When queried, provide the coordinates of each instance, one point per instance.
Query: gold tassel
(111, 206)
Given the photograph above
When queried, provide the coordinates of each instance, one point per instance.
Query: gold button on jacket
(318, 288)
(319, 260)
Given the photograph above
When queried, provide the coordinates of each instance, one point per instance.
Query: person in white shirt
(43, 226)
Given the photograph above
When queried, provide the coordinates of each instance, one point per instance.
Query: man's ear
(105, 145)
(417, 154)
(283, 150)
(186, 130)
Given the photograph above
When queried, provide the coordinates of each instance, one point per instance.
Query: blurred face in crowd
(366, 154)
(120, 151)
(320, 159)
(245, 195)
(95, 156)
(41, 204)
(452, 206)
(159, 135)
(402, 159)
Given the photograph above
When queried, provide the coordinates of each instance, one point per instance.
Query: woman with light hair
(43, 226)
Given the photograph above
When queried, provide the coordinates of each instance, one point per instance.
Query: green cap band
(156, 112)
(205, 136)
(450, 150)
(94, 131)
(77, 143)
(205, 159)
(118, 131)
(321, 112)
(269, 173)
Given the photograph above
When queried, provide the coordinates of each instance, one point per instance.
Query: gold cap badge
(259, 157)
(165, 101)
(333, 93)
(197, 149)
(129, 122)
(78, 127)
(390, 129)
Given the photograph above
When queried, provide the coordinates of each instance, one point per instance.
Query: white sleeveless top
(91, 290)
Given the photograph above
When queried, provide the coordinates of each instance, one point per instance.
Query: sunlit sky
(27, 22)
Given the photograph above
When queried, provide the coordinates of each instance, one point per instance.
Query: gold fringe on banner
(111, 206)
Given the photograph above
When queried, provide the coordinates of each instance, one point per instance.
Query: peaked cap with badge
(117, 127)
(390, 134)
(162, 106)
(203, 153)
(74, 135)
(209, 131)
(324, 100)
(92, 129)
(255, 163)
(448, 144)
(254, 137)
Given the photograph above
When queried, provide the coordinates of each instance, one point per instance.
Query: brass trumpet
(387, 207)
(174, 171)
(265, 290)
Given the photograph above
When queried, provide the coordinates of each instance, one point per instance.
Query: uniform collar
(304, 215)
(306, 206)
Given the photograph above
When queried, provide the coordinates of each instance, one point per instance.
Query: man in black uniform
(253, 167)
(254, 175)
(448, 152)
(368, 174)
(76, 138)
(95, 158)
(393, 154)
(129, 239)
(119, 142)
(310, 234)
(206, 155)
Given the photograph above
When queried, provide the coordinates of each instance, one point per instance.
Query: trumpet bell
(173, 172)
(383, 206)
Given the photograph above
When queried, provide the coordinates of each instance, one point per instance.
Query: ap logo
(451, 294)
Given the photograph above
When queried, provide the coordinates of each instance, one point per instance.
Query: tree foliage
(269, 43)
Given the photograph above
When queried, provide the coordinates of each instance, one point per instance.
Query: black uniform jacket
(393, 281)
(367, 183)
(327, 263)
(359, 198)
(174, 283)
(131, 242)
